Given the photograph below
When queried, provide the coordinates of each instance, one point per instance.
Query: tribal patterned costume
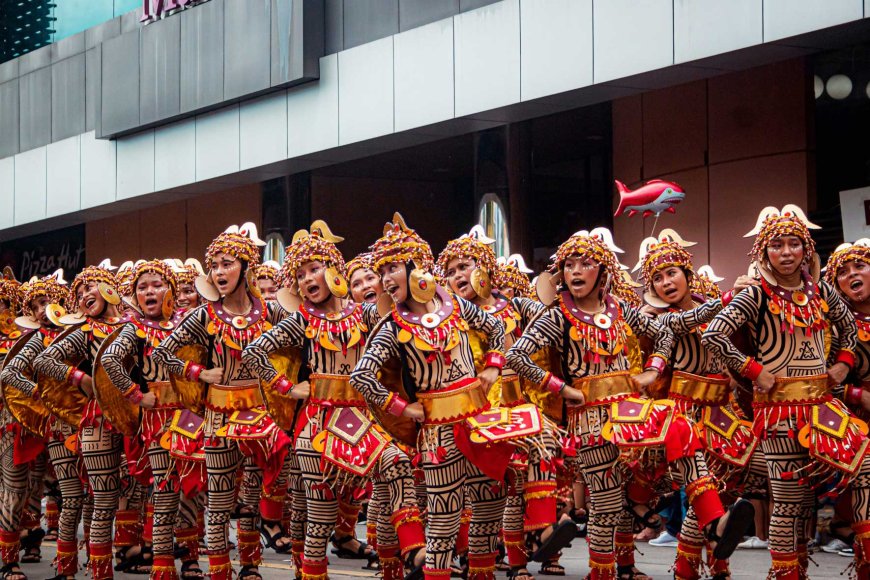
(23, 450)
(700, 388)
(806, 435)
(100, 444)
(337, 460)
(130, 368)
(439, 368)
(236, 427)
(592, 350)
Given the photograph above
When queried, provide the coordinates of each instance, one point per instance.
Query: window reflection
(494, 221)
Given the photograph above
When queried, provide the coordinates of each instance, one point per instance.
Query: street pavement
(655, 561)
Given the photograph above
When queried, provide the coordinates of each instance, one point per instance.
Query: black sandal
(552, 568)
(649, 519)
(32, 555)
(630, 572)
(136, 564)
(272, 539)
(372, 565)
(416, 572)
(9, 571)
(343, 552)
(249, 572)
(190, 570)
(544, 550)
(740, 516)
(32, 539)
(520, 573)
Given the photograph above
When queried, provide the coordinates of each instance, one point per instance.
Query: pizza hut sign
(153, 10)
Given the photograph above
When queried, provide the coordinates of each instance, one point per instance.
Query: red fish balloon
(656, 196)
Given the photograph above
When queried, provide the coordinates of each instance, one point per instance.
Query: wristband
(75, 378)
(192, 371)
(656, 363)
(134, 395)
(846, 357)
(727, 297)
(553, 383)
(283, 385)
(751, 369)
(395, 405)
(494, 359)
(853, 395)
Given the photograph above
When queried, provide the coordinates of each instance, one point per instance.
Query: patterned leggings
(446, 482)
(66, 466)
(16, 482)
(166, 497)
(101, 452)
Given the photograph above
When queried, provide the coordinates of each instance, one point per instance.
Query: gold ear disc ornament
(251, 281)
(481, 283)
(168, 306)
(421, 285)
(109, 294)
(336, 283)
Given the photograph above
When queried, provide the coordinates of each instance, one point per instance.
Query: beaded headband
(92, 274)
(240, 242)
(511, 272)
(773, 223)
(668, 250)
(401, 244)
(475, 244)
(857, 252)
(597, 245)
(318, 244)
(362, 262)
(52, 287)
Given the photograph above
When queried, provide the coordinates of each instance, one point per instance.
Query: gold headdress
(318, 244)
(475, 244)
(596, 244)
(52, 286)
(706, 283)
(773, 223)
(625, 289)
(362, 262)
(124, 277)
(186, 272)
(241, 242)
(511, 272)
(101, 275)
(656, 254)
(402, 244)
(269, 269)
(166, 270)
(10, 289)
(857, 252)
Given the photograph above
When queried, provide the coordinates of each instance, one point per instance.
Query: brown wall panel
(163, 231)
(116, 238)
(674, 129)
(209, 215)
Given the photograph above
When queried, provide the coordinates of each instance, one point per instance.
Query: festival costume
(701, 392)
(613, 417)
(531, 498)
(438, 365)
(129, 369)
(807, 436)
(336, 460)
(22, 447)
(236, 427)
(69, 358)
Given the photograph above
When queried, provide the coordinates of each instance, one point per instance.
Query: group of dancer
(474, 410)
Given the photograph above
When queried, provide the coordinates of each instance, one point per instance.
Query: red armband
(283, 385)
(494, 359)
(655, 362)
(727, 297)
(75, 377)
(192, 371)
(553, 383)
(395, 405)
(853, 395)
(751, 369)
(134, 394)
(847, 357)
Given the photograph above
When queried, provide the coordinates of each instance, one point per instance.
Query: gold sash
(240, 397)
(796, 389)
(334, 390)
(511, 390)
(167, 398)
(454, 403)
(699, 388)
(603, 389)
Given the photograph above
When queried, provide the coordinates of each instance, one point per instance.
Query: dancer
(236, 427)
(590, 329)
(787, 315)
(427, 331)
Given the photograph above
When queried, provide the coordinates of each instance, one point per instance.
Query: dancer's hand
(211, 376)
(573, 396)
(744, 282)
(414, 411)
(764, 383)
(645, 379)
(837, 373)
(300, 391)
(487, 378)
(652, 311)
(148, 400)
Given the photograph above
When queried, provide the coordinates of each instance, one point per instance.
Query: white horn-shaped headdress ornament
(666, 235)
(250, 230)
(628, 280)
(107, 265)
(477, 233)
(519, 263)
(195, 264)
(271, 264)
(707, 271)
(772, 211)
(58, 277)
(605, 236)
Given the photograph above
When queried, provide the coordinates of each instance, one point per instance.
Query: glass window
(493, 219)
(274, 248)
(74, 16)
